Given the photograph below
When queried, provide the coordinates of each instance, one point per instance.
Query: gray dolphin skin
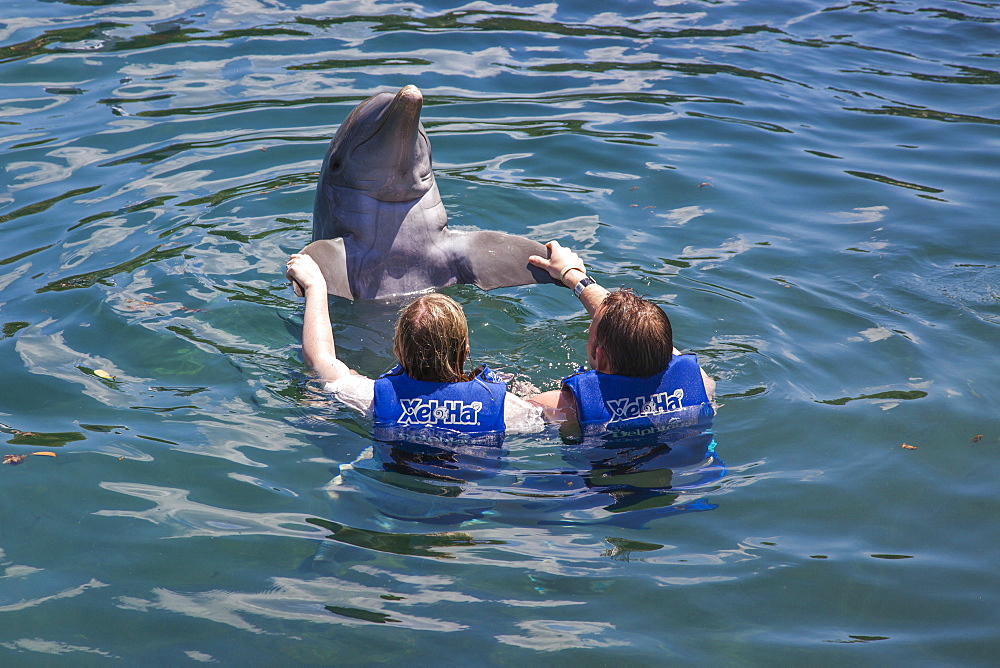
(379, 226)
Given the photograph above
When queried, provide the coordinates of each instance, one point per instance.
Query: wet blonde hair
(432, 339)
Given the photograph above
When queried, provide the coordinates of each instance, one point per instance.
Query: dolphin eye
(334, 164)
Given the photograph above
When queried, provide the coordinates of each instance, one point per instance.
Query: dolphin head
(381, 149)
(379, 225)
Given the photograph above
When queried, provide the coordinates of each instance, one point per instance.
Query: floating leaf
(977, 438)
(100, 373)
(14, 460)
(907, 446)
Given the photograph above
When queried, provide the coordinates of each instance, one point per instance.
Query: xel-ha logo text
(657, 404)
(435, 412)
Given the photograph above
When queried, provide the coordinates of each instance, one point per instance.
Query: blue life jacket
(623, 407)
(420, 411)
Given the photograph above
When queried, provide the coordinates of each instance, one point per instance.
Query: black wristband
(579, 287)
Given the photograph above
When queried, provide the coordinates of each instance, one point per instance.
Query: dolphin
(379, 226)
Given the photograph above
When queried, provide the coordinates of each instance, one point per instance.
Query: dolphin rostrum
(379, 226)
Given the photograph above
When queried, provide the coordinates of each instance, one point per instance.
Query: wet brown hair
(432, 339)
(635, 334)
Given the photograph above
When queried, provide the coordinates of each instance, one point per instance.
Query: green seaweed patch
(53, 439)
(892, 556)
(104, 276)
(898, 395)
(12, 328)
(364, 615)
(102, 428)
(419, 545)
(753, 391)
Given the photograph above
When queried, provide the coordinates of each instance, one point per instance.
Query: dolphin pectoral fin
(499, 260)
(331, 257)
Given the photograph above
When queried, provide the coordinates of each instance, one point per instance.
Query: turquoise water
(810, 189)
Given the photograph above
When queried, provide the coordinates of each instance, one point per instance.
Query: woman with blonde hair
(427, 395)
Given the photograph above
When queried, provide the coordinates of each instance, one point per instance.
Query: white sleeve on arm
(354, 391)
(522, 417)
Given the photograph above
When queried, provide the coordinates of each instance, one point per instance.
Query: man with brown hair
(638, 383)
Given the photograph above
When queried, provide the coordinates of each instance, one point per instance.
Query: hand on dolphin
(379, 226)
(559, 262)
(304, 273)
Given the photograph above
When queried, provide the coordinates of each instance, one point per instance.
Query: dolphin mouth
(399, 140)
(409, 99)
(400, 118)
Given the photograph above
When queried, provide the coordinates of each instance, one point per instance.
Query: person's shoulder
(578, 376)
(485, 374)
(690, 361)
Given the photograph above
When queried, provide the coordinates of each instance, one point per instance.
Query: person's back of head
(635, 334)
(432, 339)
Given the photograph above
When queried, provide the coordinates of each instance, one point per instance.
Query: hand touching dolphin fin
(330, 256)
(493, 260)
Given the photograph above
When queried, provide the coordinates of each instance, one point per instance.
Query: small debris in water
(907, 446)
(14, 460)
(977, 438)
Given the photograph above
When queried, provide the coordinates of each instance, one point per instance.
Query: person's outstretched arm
(565, 265)
(318, 349)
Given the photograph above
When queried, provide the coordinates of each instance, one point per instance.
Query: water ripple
(807, 189)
